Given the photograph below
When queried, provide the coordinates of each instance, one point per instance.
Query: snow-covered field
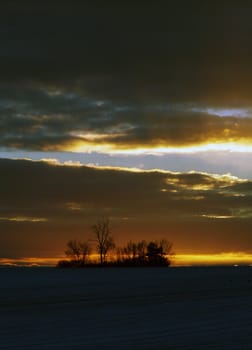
(146, 308)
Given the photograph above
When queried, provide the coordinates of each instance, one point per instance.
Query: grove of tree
(138, 254)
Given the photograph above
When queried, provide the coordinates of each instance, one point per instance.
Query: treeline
(133, 254)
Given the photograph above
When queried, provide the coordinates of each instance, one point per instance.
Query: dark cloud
(43, 118)
(43, 205)
(90, 67)
(173, 51)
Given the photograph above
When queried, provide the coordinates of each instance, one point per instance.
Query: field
(139, 308)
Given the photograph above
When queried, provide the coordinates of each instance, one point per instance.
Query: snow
(120, 308)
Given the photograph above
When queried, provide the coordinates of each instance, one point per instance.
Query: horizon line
(201, 259)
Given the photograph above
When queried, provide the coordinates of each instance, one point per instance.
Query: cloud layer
(197, 211)
(174, 51)
(41, 119)
(86, 76)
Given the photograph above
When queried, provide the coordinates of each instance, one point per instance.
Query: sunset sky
(142, 113)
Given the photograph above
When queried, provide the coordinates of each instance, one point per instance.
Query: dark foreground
(148, 308)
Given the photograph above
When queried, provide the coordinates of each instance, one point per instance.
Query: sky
(142, 113)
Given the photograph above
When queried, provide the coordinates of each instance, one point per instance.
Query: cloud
(173, 52)
(184, 207)
(23, 219)
(36, 118)
(133, 78)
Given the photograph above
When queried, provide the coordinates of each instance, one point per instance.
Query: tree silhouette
(78, 251)
(134, 254)
(73, 250)
(130, 251)
(166, 247)
(158, 252)
(85, 251)
(141, 249)
(103, 237)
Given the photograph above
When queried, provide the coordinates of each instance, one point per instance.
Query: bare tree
(166, 250)
(166, 247)
(85, 251)
(78, 251)
(73, 250)
(103, 237)
(130, 251)
(119, 254)
(142, 249)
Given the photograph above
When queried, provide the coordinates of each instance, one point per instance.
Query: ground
(140, 308)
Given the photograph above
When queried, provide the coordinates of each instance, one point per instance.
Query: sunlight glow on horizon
(228, 258)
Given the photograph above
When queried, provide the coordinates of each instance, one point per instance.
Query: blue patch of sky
(224, 112)
(237, 164)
